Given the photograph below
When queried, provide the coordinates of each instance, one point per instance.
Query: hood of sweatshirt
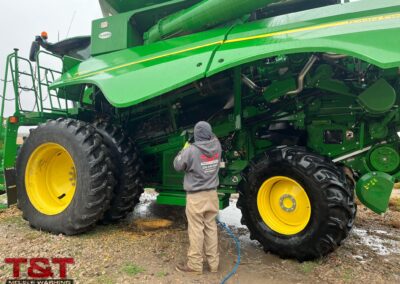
(208, 148)
(205, 139)
(203, 132)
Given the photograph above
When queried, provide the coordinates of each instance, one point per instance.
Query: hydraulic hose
(237, 242)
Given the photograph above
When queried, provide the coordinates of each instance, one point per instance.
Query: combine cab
(303, 96)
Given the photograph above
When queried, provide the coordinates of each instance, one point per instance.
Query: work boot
(183, 267)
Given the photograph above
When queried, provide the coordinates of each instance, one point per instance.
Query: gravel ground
(146, 247)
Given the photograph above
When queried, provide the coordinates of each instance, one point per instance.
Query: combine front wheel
(296, 204)
(63, 177)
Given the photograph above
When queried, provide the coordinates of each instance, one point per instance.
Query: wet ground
(146, 247)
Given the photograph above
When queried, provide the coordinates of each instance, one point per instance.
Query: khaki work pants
(201, 210)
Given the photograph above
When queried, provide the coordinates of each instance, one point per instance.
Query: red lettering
(38, 271)
(39, 267)
(16, 264)
(63, 265)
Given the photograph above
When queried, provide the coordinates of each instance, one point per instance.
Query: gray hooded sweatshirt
(201, 160)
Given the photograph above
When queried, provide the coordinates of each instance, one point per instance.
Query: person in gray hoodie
(201, 162)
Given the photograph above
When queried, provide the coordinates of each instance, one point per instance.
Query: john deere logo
(105, 35)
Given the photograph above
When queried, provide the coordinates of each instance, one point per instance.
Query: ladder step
(50, 70)
(27, 89)
(46, 84)
(24, 73)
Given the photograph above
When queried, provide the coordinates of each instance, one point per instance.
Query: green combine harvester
(303, 95)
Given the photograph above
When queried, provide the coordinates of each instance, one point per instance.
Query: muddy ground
(131, 252)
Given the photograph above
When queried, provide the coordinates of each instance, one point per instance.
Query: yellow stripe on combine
(267, 35)
(319, 27)
(145, 60)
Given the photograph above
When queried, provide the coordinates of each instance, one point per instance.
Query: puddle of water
(381, 232)
(376, 243)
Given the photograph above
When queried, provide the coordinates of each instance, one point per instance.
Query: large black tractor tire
(306, 203)
(64, 179)
(127, 171)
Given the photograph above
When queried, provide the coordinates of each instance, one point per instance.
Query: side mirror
(35, 47)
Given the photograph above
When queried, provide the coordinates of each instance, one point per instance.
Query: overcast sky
(21, 20)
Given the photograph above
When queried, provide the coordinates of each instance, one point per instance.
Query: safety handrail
(12, 67)
(40, 76)
(49, 71)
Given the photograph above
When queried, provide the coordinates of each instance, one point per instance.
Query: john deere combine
(303, 95)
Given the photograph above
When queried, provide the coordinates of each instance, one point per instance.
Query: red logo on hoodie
(209, 164)
(209, 159)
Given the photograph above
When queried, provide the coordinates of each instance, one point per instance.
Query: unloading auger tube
(206, 14)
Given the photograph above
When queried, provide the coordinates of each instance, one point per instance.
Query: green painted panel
(179, 199)
(113, 33)
(374, 190)
(134, 75)
(379, 98)
(126, 21)
(170, 175)
(10, 145)
(366, 29)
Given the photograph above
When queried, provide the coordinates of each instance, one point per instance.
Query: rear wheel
(127, 170)
(296, 204)
(64, 179)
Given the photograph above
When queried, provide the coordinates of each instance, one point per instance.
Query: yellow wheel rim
(50, 178)
(284, 205)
